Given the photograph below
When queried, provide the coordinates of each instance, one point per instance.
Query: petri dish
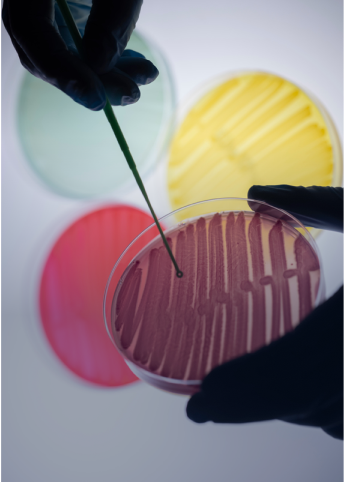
(72, 286)
(251, 128)
(73, 150)
(250, 275)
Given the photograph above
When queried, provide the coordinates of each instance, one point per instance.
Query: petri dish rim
(189, 383)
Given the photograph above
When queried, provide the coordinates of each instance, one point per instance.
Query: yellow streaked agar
(256, 128)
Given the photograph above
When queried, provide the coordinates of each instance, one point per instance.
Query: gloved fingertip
(196, 408)
(118, 97)
(268, 193)
(91, 103)
(95, 105)
(127, 100)
(152, 75)
(92, 97)
(148, 74)
(255, 192)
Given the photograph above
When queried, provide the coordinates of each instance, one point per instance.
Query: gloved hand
(46, 49)
(299, 377)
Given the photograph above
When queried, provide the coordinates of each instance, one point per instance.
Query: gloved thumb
(315, 206)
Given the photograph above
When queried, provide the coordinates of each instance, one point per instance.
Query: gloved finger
(107, 32)
(296, 376)
(318, 207)
(121, 83)
(132, 53)
(120, 88)
(139, 69)
(32, 28)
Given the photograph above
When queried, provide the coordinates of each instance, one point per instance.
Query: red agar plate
(72, 288)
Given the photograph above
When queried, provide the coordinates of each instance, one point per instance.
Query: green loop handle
(110, 115)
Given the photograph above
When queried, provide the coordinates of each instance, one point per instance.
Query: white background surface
(56, 428)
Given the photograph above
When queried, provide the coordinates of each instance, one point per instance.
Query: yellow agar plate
(254, 128)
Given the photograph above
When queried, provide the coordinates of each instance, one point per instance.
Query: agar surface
(248, 279)
(72, 149)
(72, 289)
(255, 128)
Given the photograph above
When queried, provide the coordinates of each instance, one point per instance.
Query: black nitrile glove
(46, 49)
(299, 377)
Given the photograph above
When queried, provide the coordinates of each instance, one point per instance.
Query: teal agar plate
(74, 151)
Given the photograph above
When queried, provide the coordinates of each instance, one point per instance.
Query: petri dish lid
(250, 275)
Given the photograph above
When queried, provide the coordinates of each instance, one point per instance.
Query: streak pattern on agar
(182, 328)
(253, 128)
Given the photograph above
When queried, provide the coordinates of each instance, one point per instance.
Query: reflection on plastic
(72, 289)
(248, 279)
(73, 150)
(255, 128)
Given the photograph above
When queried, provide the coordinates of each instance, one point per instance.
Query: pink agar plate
(249, 278)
